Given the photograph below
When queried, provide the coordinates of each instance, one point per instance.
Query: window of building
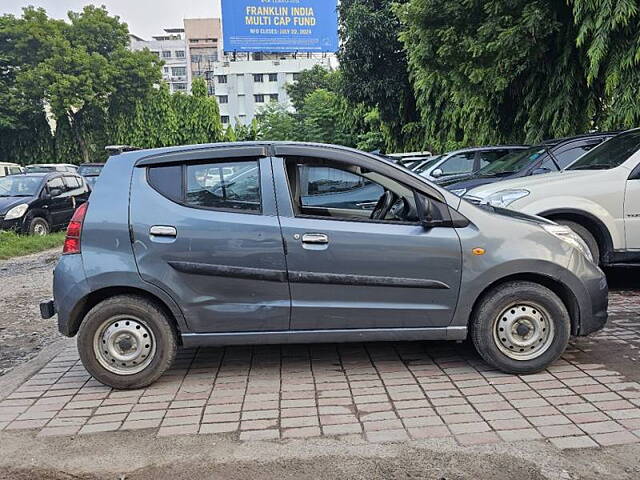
(157, 54)
(166, 54)
(179, 71)
(223, 99)
(224, 119)
(222, 79)
(166, 69)
(296, 77)
(258, 98)
(258, 77)
(196, 58)
(180, 54)
(179, 87)
(225, 186)
(273, 97)
(213, 58)
(273, 77)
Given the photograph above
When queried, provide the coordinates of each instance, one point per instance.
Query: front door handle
(315, 238)
(163, 231)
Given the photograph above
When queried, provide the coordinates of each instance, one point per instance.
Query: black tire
(487, 317)
(586, 235)
(38, 226)
(153, 317)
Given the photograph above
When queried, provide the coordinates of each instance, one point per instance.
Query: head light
(567, 235)
(16, 212)
(459, 191)
(504, 198)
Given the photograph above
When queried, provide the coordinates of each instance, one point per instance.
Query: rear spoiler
(118, 149)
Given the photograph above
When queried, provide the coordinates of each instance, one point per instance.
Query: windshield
(427, 165)
(513, 162)
(89, 169)
(609, 154)
(18, 186)
(40, 169)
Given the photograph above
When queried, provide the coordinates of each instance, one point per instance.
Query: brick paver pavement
(384, 392)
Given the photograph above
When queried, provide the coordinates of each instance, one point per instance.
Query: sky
(144, 17)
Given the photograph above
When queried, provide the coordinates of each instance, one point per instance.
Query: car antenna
(118, 149)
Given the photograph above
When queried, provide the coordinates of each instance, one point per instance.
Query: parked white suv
(598, 196)
(10, 169)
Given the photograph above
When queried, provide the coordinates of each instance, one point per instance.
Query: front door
(632, 210)
(348, 271)
(207, 232)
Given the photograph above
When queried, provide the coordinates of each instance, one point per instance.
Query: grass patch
(14, 245)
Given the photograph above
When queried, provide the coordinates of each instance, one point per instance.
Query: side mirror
(55, 192)
(437, 173)
(434, 214)
(539, 171)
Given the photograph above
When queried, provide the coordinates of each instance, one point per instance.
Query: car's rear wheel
(126, 342)
(520, 327)
(586, 235)
(39, 226)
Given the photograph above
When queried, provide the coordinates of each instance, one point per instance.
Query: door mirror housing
(437, 173)
(55, 192)
(434, 214)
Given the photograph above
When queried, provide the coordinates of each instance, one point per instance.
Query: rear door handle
(315, 238)
(163, 231)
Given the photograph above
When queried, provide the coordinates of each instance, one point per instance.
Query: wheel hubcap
(39, 229)
(124, 345)
(523, 331)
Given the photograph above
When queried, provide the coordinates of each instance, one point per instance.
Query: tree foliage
(374, 68)
(310, 80)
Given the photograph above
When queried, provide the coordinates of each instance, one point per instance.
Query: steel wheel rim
(523, 331)
(124, 345)
(39, 229)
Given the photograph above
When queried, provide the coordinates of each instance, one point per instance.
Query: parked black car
(549, 156)
(38, 203)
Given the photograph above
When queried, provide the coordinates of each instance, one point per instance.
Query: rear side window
(224, 186)
(167, 180)
(490, 156)
(460, 163)
(230, 186)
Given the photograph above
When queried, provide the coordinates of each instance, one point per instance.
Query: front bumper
(592, 295)
(15, 224)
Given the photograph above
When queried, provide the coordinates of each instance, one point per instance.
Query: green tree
(276, 123)
(198, 116)
(498, 70)
(310, 80)
(230, 134)
(374, 68)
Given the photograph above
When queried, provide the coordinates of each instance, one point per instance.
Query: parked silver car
(229, 244)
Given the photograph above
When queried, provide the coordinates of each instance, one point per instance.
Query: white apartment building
(172, 49)
(242, 83)
(242, 87)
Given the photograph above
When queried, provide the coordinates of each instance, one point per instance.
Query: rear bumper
(69, 289)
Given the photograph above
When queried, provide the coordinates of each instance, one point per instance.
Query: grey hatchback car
(229, 244)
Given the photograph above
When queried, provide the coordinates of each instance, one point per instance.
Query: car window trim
(202, 155)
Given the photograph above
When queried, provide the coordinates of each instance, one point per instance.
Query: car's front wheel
(126, 342)
(520, 327)
(38, 226)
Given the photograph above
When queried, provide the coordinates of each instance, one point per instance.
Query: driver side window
(328, 189)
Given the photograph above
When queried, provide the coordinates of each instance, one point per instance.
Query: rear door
(59, 204)
(205, 229)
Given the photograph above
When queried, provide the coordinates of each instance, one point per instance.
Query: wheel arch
(589, 221)
(567, 297)
(83, 306)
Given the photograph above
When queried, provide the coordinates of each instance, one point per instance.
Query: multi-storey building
(242, 83)
(172, 49)
(243, 86)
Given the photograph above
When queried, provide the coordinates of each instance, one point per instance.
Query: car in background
(90, 172)
(549, 156)
(463, 162)
(597, 196)
(410, 159)
(10, 169)
(38, 203)
(178, 258)
(51, 167)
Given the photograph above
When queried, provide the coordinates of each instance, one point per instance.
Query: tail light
(74, 231)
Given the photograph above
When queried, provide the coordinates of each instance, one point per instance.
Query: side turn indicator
(478, 251)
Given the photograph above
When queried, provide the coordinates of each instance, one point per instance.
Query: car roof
(487, 148)
(88, 164)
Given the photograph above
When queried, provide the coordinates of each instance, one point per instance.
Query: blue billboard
(280, 25)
